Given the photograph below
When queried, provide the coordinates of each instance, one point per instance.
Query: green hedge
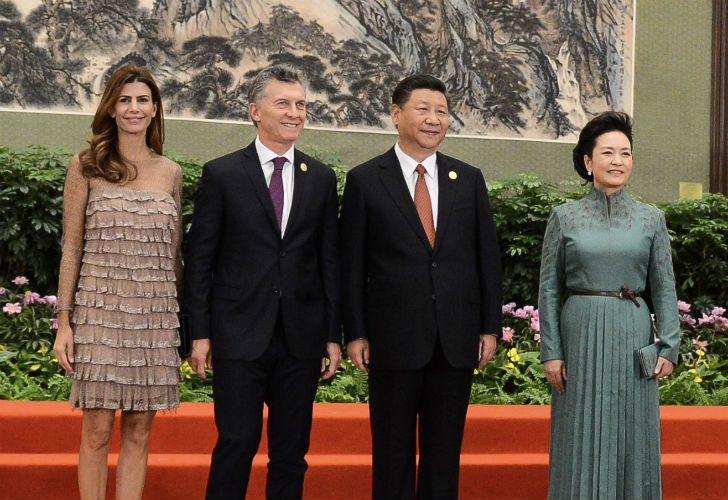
(31, 200)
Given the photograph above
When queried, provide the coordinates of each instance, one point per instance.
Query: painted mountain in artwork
(532, 68)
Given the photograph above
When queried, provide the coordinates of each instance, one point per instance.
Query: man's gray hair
(267, 75)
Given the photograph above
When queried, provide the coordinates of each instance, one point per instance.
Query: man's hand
(200, 357)
(487, 350)
(663, 368)
(555, 370)
(358, 351)
(333, 355)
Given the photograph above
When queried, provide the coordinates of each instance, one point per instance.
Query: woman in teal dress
(599, 255)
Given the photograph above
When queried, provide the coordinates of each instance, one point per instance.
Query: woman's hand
(663, 368)
(63, 347)
(556, 374)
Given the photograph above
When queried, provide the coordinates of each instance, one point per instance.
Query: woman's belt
(623, 293)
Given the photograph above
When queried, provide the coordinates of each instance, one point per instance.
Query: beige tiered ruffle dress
(119, 277)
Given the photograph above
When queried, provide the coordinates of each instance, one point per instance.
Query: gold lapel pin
(304, 167)
(453, 174)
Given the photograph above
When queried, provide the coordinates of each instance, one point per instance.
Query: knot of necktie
(278, 163)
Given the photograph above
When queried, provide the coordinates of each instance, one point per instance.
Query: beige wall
(672, 115)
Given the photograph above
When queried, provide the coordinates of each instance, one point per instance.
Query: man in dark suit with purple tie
(421, 294)
(262, 291)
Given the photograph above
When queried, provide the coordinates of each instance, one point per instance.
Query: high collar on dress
(609, 203)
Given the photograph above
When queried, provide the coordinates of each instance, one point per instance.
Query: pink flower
(535, 324)
(718, 311)
(21, 280)
(51, 299)
(537, 337)
(683, 307)
(700, 344)
(12, 308)
(508, 308)
(54, 323)
(2, 290)
(710, 320)
(31, 298)
(529, 309)
(722, 321)
(687, 319)
(507, 334)
(520, 314)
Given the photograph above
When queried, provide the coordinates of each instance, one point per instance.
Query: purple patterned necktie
(276, 188)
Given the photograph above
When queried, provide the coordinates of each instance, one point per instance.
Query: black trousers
(435, 397)
(288, 386)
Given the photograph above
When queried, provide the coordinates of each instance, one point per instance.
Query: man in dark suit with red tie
(261, 291)
(421, 294)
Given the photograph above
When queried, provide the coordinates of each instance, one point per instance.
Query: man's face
(421, 122)
(280, 114)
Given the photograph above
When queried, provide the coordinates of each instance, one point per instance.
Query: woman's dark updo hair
(609, 121)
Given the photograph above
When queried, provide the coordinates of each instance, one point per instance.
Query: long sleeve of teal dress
(551, 291)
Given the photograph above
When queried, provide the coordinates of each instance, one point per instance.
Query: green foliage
(521, 208)
(699, 232)
(31, 190)
(349, 385)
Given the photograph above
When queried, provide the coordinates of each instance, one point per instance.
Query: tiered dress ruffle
(125, 313)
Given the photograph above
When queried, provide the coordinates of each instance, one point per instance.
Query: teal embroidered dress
(605, 428)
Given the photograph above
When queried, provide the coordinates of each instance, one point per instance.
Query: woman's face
(134, 108)
(611, 161)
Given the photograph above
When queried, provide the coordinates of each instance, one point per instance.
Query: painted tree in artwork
(208, 90)
(28, 73)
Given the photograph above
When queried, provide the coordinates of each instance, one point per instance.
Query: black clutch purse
(185, 336)
(647, 359)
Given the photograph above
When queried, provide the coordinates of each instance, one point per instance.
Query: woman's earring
(589, 173)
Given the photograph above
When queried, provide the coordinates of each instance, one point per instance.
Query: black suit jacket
(398, 292)
(239, 271)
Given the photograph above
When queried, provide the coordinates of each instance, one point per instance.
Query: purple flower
(12, 308)
(21, 280)
(31, 298)
(50, 299)
(687, 319)
(508, 308)
(718, 311)
(507, 334)
(683, 307)
(700, 344)
(54, 323)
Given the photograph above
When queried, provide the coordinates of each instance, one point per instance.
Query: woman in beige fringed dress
(119, 276)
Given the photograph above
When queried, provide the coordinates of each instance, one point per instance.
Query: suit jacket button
(434, 264)
(434, 297)
(276, 291)
(283, 253)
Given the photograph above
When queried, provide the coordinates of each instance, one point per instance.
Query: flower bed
(29, 371)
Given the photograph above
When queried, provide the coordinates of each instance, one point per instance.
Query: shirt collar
(265, 155)
(409, 164)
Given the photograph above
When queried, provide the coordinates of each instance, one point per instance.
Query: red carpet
(505, 453)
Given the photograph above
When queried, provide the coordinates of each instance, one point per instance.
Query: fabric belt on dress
(623, 293)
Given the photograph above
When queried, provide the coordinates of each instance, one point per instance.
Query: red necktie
(423, 203)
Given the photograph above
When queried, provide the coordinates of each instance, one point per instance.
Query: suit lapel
(447, 188)
(251, 166)
(301, 187)
(391, 175)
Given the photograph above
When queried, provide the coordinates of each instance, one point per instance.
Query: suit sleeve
(328, 250)
(202, 247)
(353, 232)
(489, 265)
(551, 290)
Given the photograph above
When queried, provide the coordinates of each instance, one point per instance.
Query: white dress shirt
(409, 164)
(266, 156)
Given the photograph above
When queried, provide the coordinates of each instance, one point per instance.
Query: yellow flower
(510, 365)
(513, 354)
(43, 349)
(693, 371)
(700, 352)
(697, 380)
(476, 371)
(35, 367)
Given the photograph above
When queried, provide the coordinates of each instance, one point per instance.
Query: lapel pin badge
(452, 174)
(304, 167)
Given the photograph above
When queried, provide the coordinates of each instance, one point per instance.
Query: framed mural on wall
(525, 69)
